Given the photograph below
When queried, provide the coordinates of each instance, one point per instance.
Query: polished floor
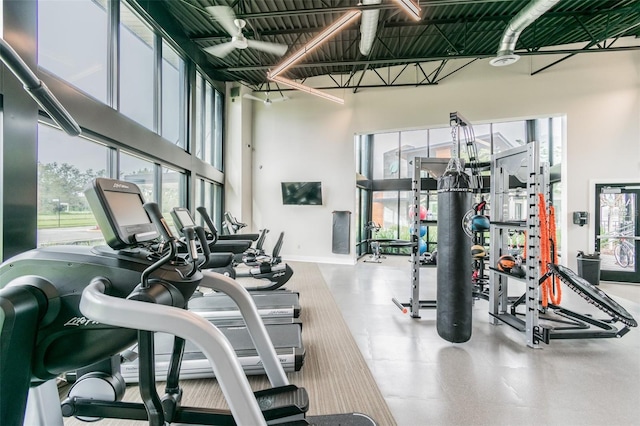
(494, 378)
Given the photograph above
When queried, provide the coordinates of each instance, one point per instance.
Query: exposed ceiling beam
(587, 48)
(422, 23)
(340, 9)
(401, 61)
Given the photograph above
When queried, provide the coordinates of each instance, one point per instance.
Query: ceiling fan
(226, 18)
(267, 100)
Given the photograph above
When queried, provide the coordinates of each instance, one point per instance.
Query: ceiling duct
(368, 26)
(522, 20)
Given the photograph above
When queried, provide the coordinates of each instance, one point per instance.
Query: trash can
(589, 267)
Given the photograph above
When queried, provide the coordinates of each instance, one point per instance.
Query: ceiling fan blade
(220, 50)
(224, 16)
(280, 99)
(253, 98)
(265, 46)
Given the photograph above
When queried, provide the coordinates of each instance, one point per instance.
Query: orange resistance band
(550, 288)
(557, 288)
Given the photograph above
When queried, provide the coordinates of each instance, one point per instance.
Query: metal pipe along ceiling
(522, 20)
(368, 27)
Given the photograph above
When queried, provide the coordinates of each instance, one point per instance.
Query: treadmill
(124, 260)
(195, 365)
(58, 322)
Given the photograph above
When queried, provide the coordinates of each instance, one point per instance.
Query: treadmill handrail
(255, 325)
(105, 309)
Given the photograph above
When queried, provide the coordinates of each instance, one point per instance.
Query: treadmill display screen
(184, 218)
(126, 208)
(118, 207)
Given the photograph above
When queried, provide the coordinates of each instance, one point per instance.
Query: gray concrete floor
(494, 378)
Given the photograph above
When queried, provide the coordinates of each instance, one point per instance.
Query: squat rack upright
(511, 169)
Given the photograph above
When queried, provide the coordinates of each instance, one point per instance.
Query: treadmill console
(118, 208)
(182, 218)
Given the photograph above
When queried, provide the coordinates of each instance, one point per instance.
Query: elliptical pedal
(282, 402)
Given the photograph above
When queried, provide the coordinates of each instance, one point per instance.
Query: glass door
(618, 231)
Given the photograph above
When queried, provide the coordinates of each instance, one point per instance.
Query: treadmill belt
(593, 295)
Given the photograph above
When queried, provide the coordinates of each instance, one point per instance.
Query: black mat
(593, 295)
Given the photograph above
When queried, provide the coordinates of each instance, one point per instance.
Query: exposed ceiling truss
(451, 35)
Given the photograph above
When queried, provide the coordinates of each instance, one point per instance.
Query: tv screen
(302, 193)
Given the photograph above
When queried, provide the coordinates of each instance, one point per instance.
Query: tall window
(72, 43)
(208, 123)
(508, 135)
(199, 113)
(139, 171)
(173, 96)
(77, 42)
(136, 68)
(66, 165)
(413, 143)
(174, 194)
(386, 156)
(440, 142)
(209, 196)
(218, 116)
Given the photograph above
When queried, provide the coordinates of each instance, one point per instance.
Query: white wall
(308, 138)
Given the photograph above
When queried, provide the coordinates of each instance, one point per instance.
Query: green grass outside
(66, 220)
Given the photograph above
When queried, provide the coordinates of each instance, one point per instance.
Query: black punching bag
(455, 292)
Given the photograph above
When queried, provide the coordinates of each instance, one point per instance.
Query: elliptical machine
(231, 225)
(271, 271)
(74, 322)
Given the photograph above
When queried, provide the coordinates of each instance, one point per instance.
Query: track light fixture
(307, 89)
(329, 32)
(411, 8)
(345, 20)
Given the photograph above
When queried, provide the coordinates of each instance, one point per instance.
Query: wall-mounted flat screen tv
(302, 193)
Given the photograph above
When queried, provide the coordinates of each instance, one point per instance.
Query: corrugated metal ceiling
(449, 29)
